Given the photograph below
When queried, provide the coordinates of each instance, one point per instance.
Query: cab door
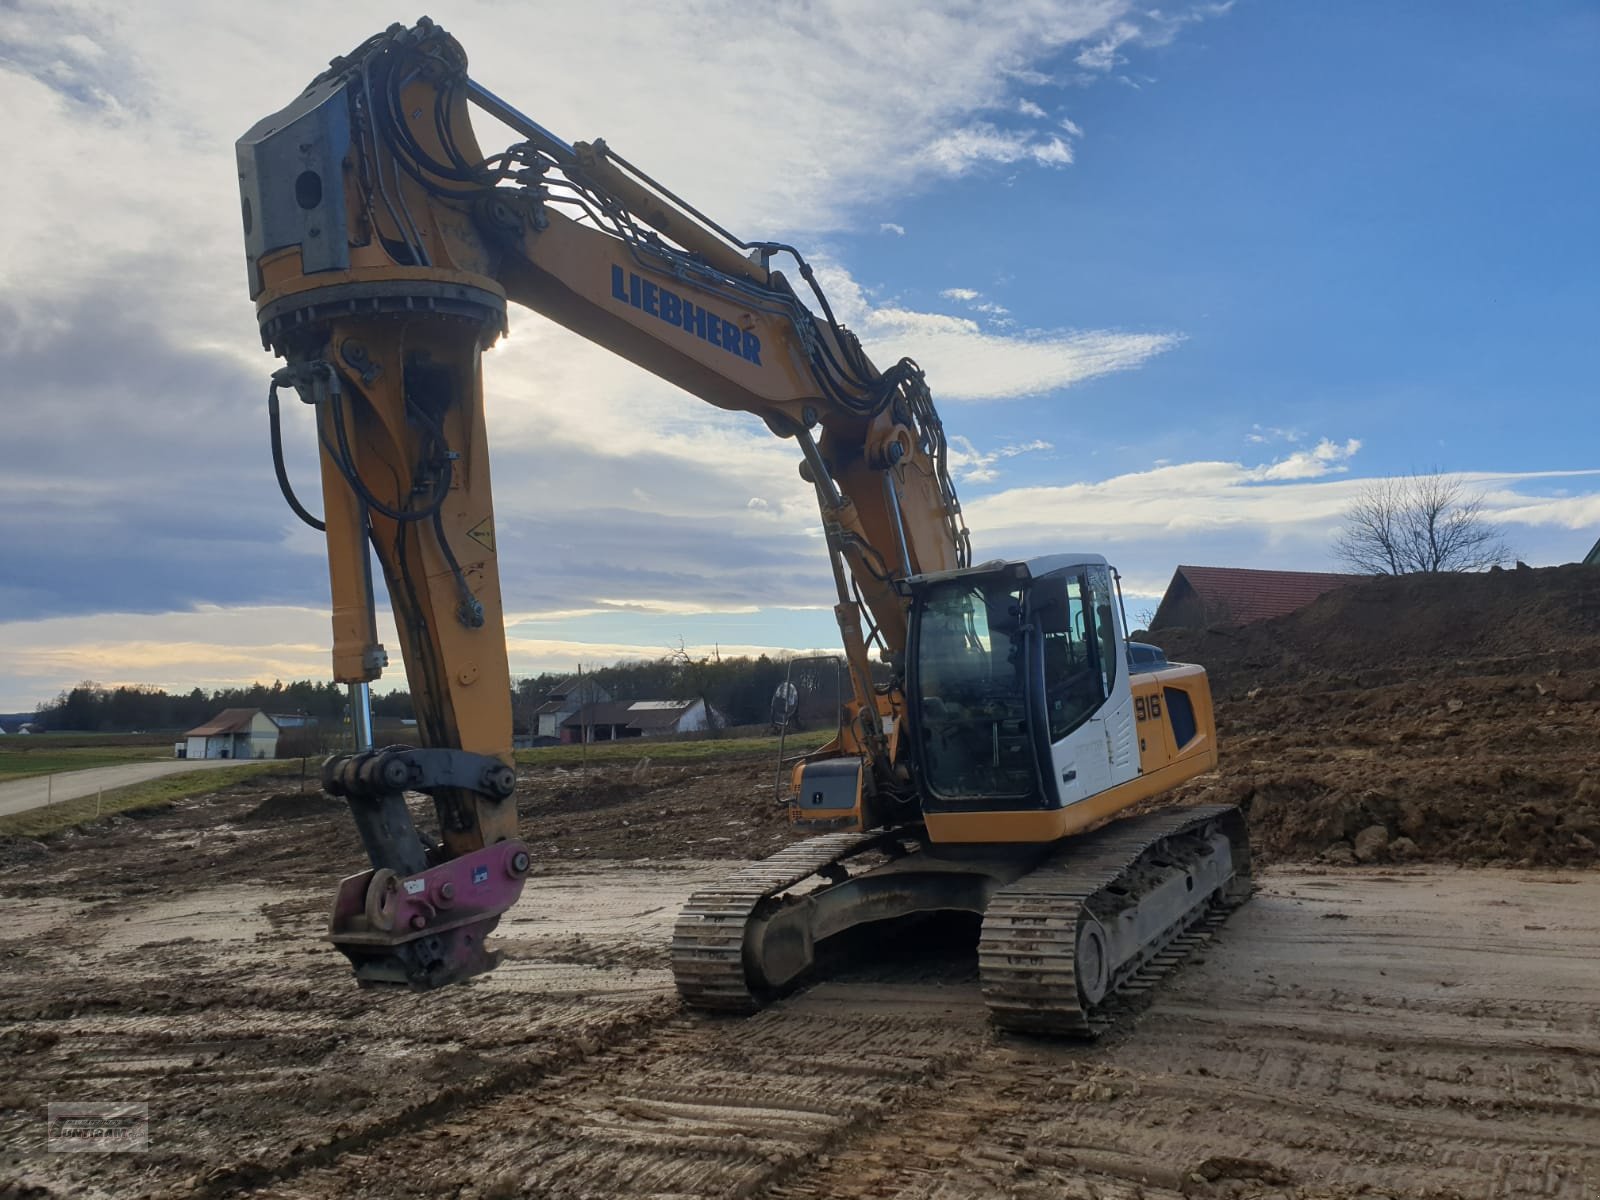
(1075, 684)
(1115, 719)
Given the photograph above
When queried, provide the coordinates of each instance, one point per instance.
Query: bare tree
(1421, 523)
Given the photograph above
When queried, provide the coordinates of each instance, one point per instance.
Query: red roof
(1240, 595)
(229, 720)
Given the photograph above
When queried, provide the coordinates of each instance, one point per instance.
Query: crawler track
(1028, 951)
(708, 939)
(1031, 928)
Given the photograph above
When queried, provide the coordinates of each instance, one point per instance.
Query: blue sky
(1183, 280)
(1367, 220)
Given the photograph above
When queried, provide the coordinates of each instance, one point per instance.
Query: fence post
(99, 795)
(49, 790)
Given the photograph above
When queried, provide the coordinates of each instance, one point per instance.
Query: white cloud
(1321, 459)
(959, 150)
(960, 294)
(891, 227)
(964, 362)
(91, 123)
(1261, 435)
(1029, 109)
(1103, 54)
(970, 465)
(1277, 513)
(1072, 127)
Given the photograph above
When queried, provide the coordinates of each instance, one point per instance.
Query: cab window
(1074, 682)
(1099, 580)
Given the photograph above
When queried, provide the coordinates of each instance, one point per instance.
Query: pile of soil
(1520, 622)
(292, 806)
(1436, 718)
(723, 808)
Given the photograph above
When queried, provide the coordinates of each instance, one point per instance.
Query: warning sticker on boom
(483, 534)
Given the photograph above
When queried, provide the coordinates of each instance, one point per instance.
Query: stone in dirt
(1371, 844)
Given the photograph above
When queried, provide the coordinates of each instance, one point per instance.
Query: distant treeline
(91, 708)
(740, 689)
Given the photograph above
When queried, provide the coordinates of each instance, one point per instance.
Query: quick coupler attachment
(412, 919)
(428, 929)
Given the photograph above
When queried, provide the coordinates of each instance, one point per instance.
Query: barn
(234, 733)
(613, 720)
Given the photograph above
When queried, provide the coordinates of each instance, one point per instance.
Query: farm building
(562, 701)
(613, 720)
(233, 733)
(1200, 597)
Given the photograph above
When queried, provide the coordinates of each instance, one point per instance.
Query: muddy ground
(1424, 1024)
(1404, 1031)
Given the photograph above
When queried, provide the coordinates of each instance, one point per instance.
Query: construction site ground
(1409, 1006)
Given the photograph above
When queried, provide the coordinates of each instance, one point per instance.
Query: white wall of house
(693, 719)
(260, 741)
(263, 739)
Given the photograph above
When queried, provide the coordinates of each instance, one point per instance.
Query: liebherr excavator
(383, 247)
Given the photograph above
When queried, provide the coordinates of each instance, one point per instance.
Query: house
(561, 701)
(613, 720)
(234, 733)
(1199, 597)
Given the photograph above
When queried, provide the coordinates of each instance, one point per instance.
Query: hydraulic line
(275, 425)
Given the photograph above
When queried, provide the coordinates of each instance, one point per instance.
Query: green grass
(52, 818)
(699, 750)
(23, 756)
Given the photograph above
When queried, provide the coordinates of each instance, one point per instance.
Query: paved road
(19, 795)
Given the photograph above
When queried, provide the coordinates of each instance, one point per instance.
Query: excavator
(987, 767)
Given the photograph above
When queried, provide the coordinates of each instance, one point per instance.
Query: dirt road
(1406, 1033)
(19, 795)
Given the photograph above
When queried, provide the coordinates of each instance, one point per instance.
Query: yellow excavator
(383, 248)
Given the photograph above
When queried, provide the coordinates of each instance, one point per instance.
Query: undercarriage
(1065, 933)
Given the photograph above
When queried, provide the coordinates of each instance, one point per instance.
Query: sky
(1183, 281)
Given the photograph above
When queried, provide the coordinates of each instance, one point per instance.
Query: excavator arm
(383, 248)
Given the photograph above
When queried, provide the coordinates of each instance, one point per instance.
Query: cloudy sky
(1182, 280)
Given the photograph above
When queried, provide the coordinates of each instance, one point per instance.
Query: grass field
(44, 754)
(36, 822)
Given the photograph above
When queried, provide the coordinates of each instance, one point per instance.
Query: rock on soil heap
(1449, 718)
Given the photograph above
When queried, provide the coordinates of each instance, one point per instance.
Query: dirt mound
(292, 806)
(1444, 718)
(723, 808)
(1411, 625)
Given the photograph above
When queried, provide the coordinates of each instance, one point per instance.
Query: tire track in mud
(584, 1039)
(1255, 1075)
(254, 1051)
(702, 1107)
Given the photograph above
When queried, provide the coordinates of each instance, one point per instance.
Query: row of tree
(740, 689)
(91, 708)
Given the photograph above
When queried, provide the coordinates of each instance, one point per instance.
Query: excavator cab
(1015, 670)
